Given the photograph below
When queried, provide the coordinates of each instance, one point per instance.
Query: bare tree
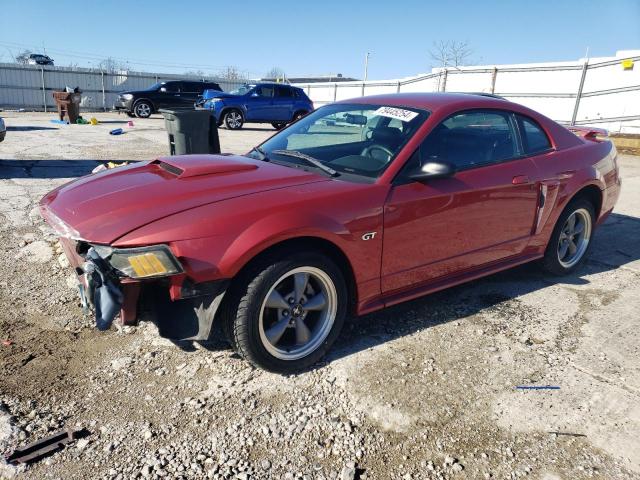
(276, 73)
(451, 53)
(23, 57)
(112, 65)
(231, 73)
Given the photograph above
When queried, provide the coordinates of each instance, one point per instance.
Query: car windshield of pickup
(351, 139)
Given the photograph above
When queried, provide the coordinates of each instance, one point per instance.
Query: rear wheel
(143, 109)
(278, 125)
(287, 311)
(571, 238)
(233, 119)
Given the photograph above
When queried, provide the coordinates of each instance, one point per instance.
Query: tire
(298, 116)
(278, 125)
(143, 109)
(558, 257)
(233, 119)
(131, 114)
(272, 329)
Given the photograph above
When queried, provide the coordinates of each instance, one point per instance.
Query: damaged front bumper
(110, 292)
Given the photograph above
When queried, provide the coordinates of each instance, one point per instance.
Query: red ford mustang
(359, 205)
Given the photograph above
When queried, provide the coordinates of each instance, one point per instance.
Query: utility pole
(366, 66)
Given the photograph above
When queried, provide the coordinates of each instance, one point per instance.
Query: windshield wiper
(262, 153)
(307, 158)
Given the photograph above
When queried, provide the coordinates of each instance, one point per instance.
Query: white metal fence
(602, 92)
(31, 86)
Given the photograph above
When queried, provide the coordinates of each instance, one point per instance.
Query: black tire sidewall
(246, 324)
(550, 262)
(135, 107)
(226, 122)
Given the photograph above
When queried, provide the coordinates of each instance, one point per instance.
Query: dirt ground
(423, 390)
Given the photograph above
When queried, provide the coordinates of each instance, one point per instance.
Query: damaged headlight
(142, 262)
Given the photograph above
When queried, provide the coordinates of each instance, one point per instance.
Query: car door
(169, 96)
(259, 103)
(189, 93)
(283, 104)
(482, 214)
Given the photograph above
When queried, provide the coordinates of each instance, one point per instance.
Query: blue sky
(314, 37)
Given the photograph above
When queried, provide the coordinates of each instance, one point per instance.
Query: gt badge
(368, 236)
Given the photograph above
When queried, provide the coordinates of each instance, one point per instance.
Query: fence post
(104, 97)
(493, 79)
(335, 91)
(363, 89)
(444, 80)
(44, 90)
(579, 95)
(398, 87)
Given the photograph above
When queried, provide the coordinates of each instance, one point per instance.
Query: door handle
(520, 180)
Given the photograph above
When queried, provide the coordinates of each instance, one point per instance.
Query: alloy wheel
(143, 110)
(298, 313)
(234, 120)
(574, 238)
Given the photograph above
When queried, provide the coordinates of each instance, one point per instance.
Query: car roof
(435, 101)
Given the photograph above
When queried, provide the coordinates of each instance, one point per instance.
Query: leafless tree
(112, 65)
(276, 73)
(23, 57)
(451, 53)
(231, 73)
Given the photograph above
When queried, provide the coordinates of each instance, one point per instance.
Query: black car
(171, 95)
(39, 59)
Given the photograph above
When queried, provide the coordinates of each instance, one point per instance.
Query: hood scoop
(187, 166)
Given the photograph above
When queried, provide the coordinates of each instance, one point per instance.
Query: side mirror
(163, 89)
(254, 94)
(433, 170)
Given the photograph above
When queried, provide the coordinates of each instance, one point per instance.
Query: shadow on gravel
(48, 168)
(28, 128)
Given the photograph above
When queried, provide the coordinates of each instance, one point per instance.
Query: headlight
(127, 96)
(143, 262)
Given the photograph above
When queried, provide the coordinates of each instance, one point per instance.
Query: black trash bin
(191, 131)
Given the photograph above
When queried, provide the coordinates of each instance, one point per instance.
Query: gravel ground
(419, 391)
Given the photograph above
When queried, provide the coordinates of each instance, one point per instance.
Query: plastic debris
(61, 122)
(108, 165)
(81, 121)
(94, 121)
(537, 387)
(129, 124)
(116, 131)
(7, 342)
(45, 446)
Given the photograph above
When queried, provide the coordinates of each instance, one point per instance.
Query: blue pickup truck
(275, 103)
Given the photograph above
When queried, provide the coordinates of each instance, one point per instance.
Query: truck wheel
(287, 311)
(571, 238)
(233, 119)
(143, 109)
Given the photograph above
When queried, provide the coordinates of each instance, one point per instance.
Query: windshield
(154, 87)
(353, 139)
(241, 90)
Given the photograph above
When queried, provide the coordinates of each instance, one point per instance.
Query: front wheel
(287, 312)
(143, 109)
(571, 238)
(278, 125)
(233, 120)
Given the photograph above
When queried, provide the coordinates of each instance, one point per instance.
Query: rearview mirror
(432, 170)
(355, 119)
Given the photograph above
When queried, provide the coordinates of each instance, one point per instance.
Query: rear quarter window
(534, 139)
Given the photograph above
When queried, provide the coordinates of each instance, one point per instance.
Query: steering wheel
(371, 150)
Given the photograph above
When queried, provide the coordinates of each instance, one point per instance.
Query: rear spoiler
(589, 133)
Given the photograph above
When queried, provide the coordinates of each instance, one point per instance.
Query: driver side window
(472, 138)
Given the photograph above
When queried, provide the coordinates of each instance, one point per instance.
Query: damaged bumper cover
(110, 279)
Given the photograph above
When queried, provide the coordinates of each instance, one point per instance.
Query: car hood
(102, 207)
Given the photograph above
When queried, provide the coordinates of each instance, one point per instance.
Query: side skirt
(393, 298)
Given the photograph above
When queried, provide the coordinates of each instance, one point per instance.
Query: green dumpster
(191, 131)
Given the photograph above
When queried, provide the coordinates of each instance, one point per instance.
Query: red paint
(218, 212)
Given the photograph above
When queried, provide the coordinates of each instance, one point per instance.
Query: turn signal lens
(146, 262)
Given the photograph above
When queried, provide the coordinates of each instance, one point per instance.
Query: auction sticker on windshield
(397, 113)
